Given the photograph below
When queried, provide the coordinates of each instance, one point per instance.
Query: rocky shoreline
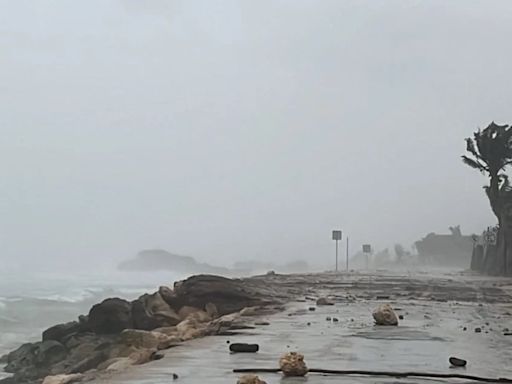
(116, 333)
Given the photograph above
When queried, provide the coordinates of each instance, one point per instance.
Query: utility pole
(347, 253)
(336, 235)
(336, 255)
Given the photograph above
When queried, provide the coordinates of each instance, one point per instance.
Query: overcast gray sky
(235, 130)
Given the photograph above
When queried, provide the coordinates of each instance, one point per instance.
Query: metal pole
(347, 253)
(336, 255)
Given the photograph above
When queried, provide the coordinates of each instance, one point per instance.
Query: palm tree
(490, 152)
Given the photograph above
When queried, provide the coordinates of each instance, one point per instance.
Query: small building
(450, 250)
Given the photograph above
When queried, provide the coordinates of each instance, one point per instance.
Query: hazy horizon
(236, 130)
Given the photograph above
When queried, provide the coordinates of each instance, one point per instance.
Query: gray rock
(228, 295)
(50, 352)
(60, 331)
(324, 301)
(35, 357)
(456, 362)
(88, 363)
(110, 316)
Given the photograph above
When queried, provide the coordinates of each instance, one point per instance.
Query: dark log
(383, 373)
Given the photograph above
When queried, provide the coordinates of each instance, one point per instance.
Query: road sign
(367, 250)
(491, 235)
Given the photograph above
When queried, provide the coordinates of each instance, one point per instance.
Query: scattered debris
(384, 315)
(250, 379)
(456, 362)
(292, 364)
(324, 301)
(244, 348)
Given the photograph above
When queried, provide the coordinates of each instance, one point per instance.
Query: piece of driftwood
(383, 373)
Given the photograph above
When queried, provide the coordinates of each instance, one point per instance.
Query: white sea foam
(24, 299)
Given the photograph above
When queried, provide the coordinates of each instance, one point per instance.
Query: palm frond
(474, 164)
(471, 148)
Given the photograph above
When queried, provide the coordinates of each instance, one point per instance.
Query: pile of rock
(117, 333)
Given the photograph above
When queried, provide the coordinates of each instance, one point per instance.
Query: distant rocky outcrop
(159, 259)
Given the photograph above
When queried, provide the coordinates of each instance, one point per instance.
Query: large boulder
(35, 356)
(190, 329)
(166, 293)
(292, 364)
(60, 332)
(49, 353)
(81, 347)
(90, 362)
(228, 295)
(21, 358)
(151, 311)
(145, 339)
(186, 311)
(110, 316)
(384, 315)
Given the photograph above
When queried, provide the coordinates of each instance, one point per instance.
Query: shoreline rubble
(117, 333)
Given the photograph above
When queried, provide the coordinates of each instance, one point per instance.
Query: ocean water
(30, 303)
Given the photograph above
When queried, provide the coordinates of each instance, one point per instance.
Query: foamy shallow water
(30, 303)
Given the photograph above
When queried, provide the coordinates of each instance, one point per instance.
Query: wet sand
(435, 308)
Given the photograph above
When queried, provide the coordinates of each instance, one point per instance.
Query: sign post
(367, 250)
(336, 235)
(347, 253)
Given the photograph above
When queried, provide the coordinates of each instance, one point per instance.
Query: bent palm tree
(490, 152)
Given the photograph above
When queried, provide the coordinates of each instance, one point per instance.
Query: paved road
(435, 308)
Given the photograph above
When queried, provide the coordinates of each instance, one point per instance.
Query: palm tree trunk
(493, 193)
(499, 257)
(506, 231)
(495, 263)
